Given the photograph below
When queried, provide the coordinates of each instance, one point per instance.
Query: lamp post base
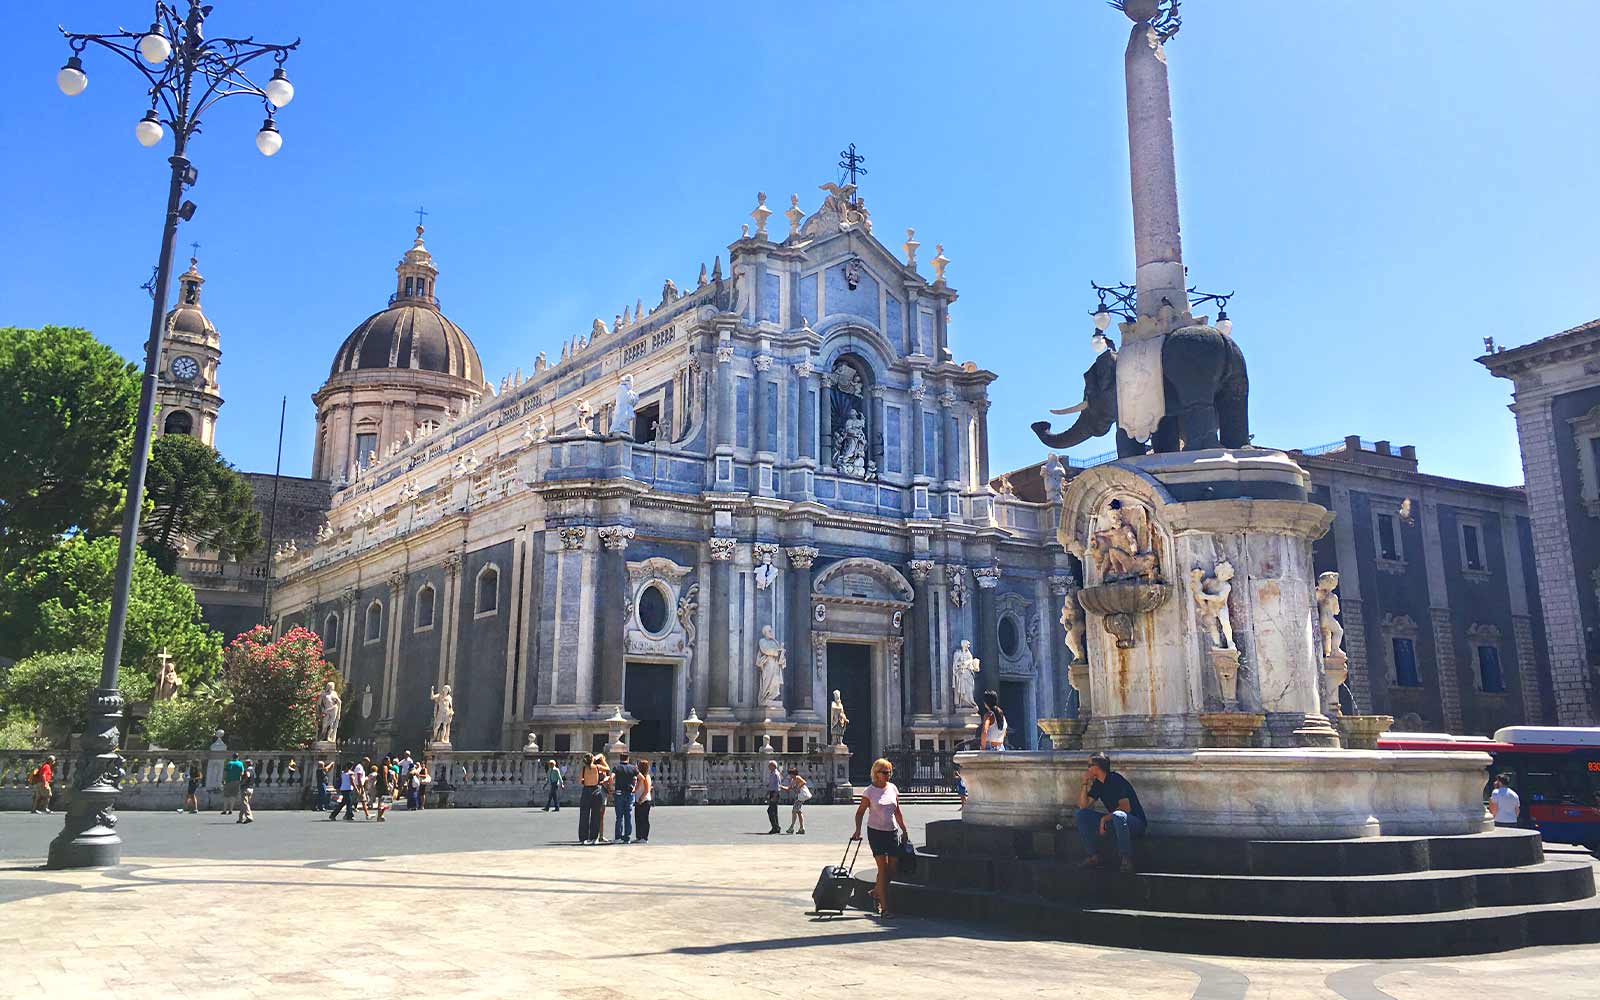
(88, 838)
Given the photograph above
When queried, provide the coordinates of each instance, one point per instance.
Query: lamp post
(187, 74)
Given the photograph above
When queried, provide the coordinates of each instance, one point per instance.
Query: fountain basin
(1286, 793)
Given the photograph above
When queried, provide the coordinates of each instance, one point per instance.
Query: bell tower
(187, 394)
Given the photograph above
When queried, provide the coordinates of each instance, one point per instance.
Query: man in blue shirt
(1123, 814)
(232, 772)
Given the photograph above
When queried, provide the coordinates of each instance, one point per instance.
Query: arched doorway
(859, 607)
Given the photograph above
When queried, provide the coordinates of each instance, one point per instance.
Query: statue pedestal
(694, 790)
(324, 746)
(434, 747)
(1335, 669)
(1231, 729)
(839, 774)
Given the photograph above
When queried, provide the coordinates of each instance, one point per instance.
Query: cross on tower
(420, 213)
(850, 162)
(194, 249)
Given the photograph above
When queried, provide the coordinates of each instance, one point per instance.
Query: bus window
(1540, 786)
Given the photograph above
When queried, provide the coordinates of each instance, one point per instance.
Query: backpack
(36, 775)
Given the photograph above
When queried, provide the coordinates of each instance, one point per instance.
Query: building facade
(1556, 400)
(762, 489)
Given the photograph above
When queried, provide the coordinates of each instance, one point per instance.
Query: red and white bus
(1555, 770)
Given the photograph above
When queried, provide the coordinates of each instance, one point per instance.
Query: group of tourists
(349, 786)
(632, 791)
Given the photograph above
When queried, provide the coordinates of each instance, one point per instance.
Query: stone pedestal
(694, 791)
(1316, 731)
(1335, 669)
(1361, 732)
(1230, 729)
(839, 774)
(329, 747)
(1064, 734)
(1225, 665)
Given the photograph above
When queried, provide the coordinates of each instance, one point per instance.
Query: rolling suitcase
(834, 885)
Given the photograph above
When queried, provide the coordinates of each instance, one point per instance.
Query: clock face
(185, 369)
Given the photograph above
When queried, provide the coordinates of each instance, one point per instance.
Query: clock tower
(187, 394)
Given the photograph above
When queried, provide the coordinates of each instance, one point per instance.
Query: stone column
(982, 410)
(391, 659)
(802, 676)
(609, 597)
(722, 442)
(921, 657)
(986, 641)
(445, 615)
(1158, 245)
(1060, 656)
(717, 695)
(877, 440)
(918, 455)
(758, 403)
(805, 383)
(951, 464)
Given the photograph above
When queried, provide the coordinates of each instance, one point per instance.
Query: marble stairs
(1384, 897)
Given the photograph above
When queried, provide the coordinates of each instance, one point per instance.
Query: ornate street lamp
(187, 74)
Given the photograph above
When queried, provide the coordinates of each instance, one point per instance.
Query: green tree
(54, 687)
(193, 493)
(273, 687)
(60, 599)
(186, 723)
(70, 403)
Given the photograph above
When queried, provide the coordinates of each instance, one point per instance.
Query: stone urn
(1361, 732)
(1118, 603)
(1064, 734)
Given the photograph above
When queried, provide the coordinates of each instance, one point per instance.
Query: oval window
(653, 612)
(1010, 638)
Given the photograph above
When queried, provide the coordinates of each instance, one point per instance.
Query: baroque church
(756, 492)
(736, 501)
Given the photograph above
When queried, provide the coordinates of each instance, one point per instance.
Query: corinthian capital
(802, 556)
(920, 568)
(616, 537)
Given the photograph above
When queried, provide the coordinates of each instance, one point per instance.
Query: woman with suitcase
(880, 804)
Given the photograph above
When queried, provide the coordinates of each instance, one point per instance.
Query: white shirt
(1507, 806)
(881, 804)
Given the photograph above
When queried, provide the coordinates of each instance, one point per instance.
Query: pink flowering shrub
(273, 687)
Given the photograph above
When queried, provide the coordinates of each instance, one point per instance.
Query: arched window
(488, 601)
(847, 432)
(425, 608)
(374, 621)
(330, 633)
(178, 422)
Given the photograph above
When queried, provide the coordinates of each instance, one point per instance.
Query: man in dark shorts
(1124, 815)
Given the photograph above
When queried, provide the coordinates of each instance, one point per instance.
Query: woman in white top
(880, 803)
(802, 795)
(644, 790)
(993, 734)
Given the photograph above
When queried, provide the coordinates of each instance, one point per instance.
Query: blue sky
(1383, 186)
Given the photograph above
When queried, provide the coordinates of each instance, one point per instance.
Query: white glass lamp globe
(154, 46)
(1102, 320)
(278, 89)
(1224, 324)
(149, 130)
(269, 140)
(70, 78)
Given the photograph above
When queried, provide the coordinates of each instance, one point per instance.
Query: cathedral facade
(761, 489)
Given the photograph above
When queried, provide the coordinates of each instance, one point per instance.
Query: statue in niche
(770, 661)
(846, 379)
(366, 702)
(1211, 598)
(443, 711)
(964, 677)
(1332, 633)
(850, 446)
(1072, 623)
(585, 417)
(329, 707)
(838, 721)
(622, 409)
(1121, 550)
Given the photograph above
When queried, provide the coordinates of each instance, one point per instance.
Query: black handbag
(907, 853)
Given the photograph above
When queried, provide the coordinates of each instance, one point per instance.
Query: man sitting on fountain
(1123, 812)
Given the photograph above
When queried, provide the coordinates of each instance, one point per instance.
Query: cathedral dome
(409, 336)
(412, 333)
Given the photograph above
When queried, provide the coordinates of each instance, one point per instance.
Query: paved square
(502, 903)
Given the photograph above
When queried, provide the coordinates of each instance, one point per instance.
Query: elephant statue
(1205, 394)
